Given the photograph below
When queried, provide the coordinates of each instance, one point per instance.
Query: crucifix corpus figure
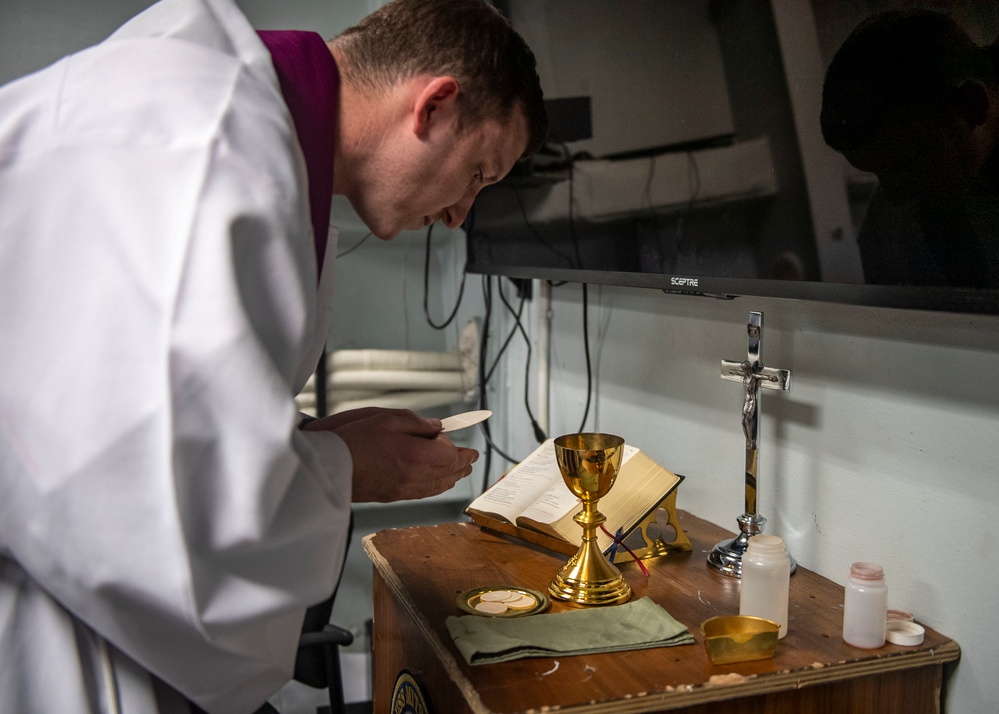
(727, 555)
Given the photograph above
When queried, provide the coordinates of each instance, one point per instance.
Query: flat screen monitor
(686, 154)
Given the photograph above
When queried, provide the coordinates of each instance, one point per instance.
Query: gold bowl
(739, 638)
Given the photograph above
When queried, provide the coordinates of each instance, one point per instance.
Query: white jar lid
(901, 632)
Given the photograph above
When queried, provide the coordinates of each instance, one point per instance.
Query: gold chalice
(589, 464)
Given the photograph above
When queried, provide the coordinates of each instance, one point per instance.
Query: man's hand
(398, 455)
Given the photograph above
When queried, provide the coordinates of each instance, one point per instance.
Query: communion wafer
(522, 603)
(493, 608)
(499, 596)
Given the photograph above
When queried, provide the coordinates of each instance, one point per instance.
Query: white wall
(885, 449)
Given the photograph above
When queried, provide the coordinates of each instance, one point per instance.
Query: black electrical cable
(509, 337)
(484, 426)
(483, 349)
(586, 320)
(426, 288)
(539, 433)
(492, 445)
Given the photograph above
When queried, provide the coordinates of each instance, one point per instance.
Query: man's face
(438, 178)
(928, 158)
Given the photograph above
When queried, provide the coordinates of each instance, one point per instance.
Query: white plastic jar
(865, 606)
(766, 579)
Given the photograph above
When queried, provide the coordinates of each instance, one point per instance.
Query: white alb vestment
(159, 511)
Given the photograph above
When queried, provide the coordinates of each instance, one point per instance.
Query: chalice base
(589, 579)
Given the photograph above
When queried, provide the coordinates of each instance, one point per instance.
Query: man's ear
(437, 101)
(972, 102)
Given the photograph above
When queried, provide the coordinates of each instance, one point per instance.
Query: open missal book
(533, 502)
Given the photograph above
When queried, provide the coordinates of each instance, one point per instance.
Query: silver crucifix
(727, 555)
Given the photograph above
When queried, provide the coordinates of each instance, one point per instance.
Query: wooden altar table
(420, 571)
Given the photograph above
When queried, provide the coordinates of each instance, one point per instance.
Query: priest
(166, 516)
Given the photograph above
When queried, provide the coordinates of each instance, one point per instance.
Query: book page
(522, 486)
(554, 503)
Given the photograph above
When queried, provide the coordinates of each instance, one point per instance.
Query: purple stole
(310, 85)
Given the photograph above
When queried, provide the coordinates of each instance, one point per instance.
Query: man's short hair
(900, 62)
(467, 39)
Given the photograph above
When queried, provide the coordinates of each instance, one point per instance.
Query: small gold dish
(513, 601)
(739, 638)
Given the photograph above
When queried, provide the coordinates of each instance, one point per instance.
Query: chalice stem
(589, 578)
(590, 519)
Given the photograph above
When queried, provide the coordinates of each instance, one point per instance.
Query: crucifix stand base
(726, 557)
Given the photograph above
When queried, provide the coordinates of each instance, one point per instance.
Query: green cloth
(640, 624)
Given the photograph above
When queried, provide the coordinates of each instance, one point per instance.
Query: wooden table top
(427, 567)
